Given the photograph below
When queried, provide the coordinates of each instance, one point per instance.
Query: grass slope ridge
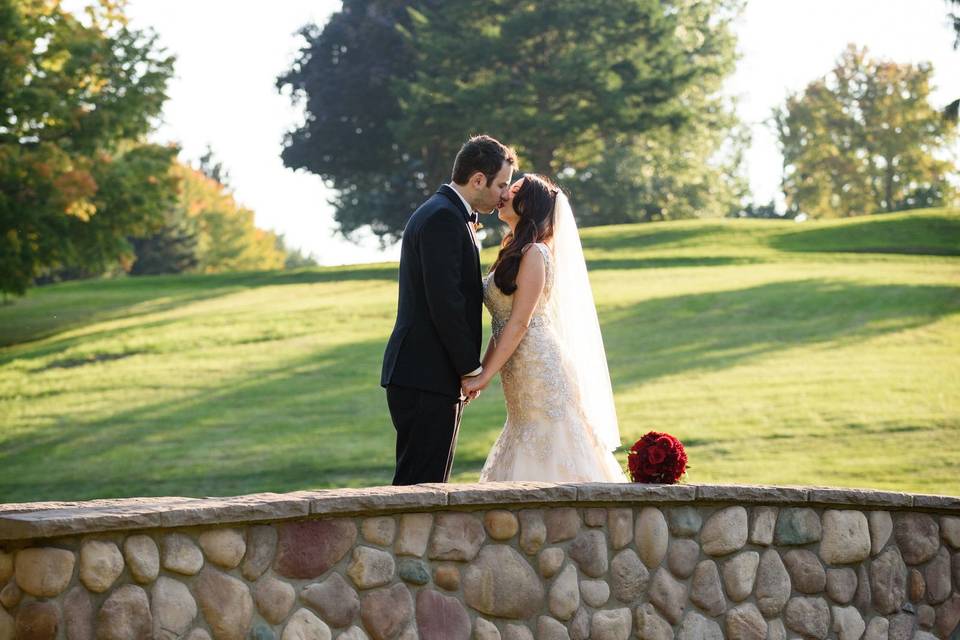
(817, 353)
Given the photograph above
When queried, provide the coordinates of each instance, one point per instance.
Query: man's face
(488, 198)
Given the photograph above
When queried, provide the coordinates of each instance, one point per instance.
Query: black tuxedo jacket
(438, 332)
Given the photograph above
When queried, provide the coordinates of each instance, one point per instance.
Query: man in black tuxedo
(436, 340)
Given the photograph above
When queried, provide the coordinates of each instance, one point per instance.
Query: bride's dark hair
(534, 203)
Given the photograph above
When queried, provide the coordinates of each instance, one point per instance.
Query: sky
(230, 52)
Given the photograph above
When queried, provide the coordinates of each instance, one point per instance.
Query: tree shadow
(53, 309)
(714, 331)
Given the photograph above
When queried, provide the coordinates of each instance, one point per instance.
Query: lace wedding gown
(546, 436)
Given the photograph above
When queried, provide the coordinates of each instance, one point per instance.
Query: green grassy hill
(818, 353)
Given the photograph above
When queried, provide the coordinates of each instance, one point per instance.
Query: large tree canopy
(590, 93)
(77, 95)
(865, 139)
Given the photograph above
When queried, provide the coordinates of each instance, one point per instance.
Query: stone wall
(510, 561)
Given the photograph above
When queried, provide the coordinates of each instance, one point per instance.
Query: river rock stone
(902, 626)
(629, 577)
(776, 630)
(725, 531)
(937, 574)
(334, 599)
(143, 558)
(620, 525)
(918, 536)
(580, 625)
(125, 615)
(841, 584)
(806, 572)
(447, 576)
(740, 574)
(684, 522)
(950, 530)
(881, 527)
(550, 629)
(501, 524)
(668, 595)
(517, 632)
(500, 582)
(303, 625)
(611, 624)
(261, 548)
(948, 616)
(877, 629)
(773, 584)
(441, 617)
(797, 526)
(550, 561)
(745, 622)
(485, 630)
(594, 517)
(705, 589)
(456, 536)
(595, 593)
(696, 627)
(101, 563)
(926, 616)
(173, 609)
(308, 549)
(888, 581)
(44, 571)
(6, 566)
(846, 537)
(198, 634)
(37, 621)
(274, 598)
(682, 557)
(223, 547)
(226, 604)
(808, 616)
(848, 624)
(564, 596)
(386, 612)
(413, 570)
(10, 596)
(589, 551)
(380, 531)
(78, 614)
(916, 586)
(761, 529)
(371, 567)
(181, 555)
(533, 531)
(562, 524)
(648, 625)
(8, 626)
(651, 536)
(414, 534)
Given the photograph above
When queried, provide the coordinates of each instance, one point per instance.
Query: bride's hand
(473, 386)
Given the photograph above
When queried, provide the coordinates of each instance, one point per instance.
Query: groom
(435, 342)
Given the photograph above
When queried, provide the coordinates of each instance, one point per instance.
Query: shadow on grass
(917, 234)
(669, 262)
(320, 420)
(56, 308)
(713, 331)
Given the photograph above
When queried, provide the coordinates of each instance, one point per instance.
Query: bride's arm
(530, 280)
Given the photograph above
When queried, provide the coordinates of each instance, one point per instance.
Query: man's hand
(472, 386)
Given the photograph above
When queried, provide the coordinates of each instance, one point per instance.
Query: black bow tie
(471, 217)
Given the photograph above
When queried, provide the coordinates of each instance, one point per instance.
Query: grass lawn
(822, 353)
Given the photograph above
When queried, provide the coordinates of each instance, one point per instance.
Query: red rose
(657, 457)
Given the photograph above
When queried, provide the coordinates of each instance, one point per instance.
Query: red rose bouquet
(657, 458)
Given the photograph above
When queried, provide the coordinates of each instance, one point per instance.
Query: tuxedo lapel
(453, 197)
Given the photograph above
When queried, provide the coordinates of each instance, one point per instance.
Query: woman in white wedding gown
(561, 423)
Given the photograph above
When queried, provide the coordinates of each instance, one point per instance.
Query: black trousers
(427, 425)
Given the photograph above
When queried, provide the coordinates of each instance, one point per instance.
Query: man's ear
(478, 179)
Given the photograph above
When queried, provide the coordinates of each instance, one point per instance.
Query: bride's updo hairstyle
(534, 203)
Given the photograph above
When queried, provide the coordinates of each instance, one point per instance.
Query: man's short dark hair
(483, 154)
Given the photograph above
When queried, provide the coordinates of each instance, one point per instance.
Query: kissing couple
(546, 345)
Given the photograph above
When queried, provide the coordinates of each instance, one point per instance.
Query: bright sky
(230, 53)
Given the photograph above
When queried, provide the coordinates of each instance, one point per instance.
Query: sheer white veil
(574, 316)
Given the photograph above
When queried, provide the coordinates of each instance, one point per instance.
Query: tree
(77, 96)
(569, 84)
(864, 139)
(954, 17)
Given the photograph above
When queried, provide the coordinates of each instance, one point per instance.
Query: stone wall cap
(57, 519)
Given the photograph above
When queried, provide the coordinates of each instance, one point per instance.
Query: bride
(561, 423)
